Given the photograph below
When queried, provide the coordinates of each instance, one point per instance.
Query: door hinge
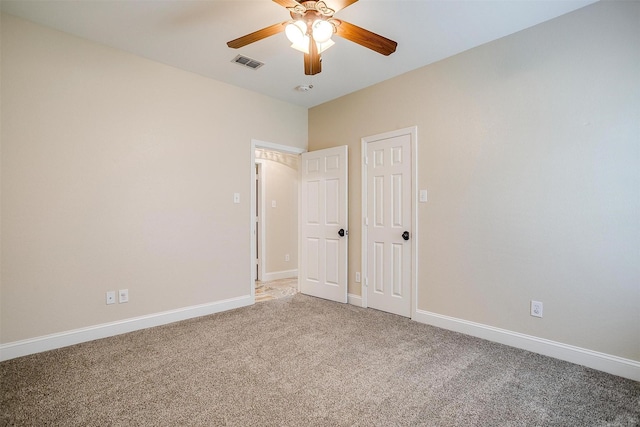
(366, 221)
(366, 282)
(366, 160)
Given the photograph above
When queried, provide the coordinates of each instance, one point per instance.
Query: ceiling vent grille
(247, 62)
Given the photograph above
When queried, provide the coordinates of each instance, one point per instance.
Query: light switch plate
(123, 296)
(423, 196)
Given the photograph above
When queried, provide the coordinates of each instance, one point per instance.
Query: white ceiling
(192, 35)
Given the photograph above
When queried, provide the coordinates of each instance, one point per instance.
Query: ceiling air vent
(247, 62)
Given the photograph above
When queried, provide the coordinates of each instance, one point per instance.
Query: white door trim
(413, 133)
(261, 255)
(256, 143)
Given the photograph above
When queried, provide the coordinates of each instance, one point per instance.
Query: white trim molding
(277, 275)
(256, 143)
(260, 224)
(63, 339)
(615, 365)
(354, 299)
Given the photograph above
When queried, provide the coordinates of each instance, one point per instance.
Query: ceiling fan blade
(312, 64)
(366, 38)
(287, 3)
(257, 35)
(337, 5)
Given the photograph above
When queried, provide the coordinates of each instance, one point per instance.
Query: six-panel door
(324, 195)
(389, 224)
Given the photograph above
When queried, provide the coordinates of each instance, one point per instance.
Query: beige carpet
(301, 361)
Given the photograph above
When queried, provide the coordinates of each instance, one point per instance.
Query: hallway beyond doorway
(276, 289)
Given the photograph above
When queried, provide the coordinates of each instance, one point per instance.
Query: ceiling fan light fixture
(296, 32)
(302, 46)
(313, 22)
(325, 45)
(322, 30)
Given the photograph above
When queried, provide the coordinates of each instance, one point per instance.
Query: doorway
(389, 208)
(274, 219)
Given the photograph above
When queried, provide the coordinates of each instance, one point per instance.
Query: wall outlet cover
(536, 308)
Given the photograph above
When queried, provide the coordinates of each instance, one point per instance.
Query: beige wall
(118, 172)
(529, 147)
(281, 186)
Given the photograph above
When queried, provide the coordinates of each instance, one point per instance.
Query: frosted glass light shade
(325, 45)
(303, 46)
(295, 32)
(322, 31)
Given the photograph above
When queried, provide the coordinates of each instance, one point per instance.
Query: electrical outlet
(286, 258)
(357, 277)
(123, 295)
(536, 308)
(111, 297)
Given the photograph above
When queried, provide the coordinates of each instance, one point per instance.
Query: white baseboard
(603, 362)
(354, 299)
(615, 365)
(50, 342)
(277, 275)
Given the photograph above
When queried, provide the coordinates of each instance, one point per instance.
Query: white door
(389, 224)
(323, 224)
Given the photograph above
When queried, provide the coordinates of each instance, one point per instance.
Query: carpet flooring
(302, 361)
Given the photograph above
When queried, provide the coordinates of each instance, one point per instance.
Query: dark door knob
(405, 235)
(341, 232)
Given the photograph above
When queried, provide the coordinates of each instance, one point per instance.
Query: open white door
(323, 224)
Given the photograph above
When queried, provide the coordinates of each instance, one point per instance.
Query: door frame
(260, 230)
(413, 133)
(256, 143)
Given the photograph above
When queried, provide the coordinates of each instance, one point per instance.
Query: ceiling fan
(311, 29)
